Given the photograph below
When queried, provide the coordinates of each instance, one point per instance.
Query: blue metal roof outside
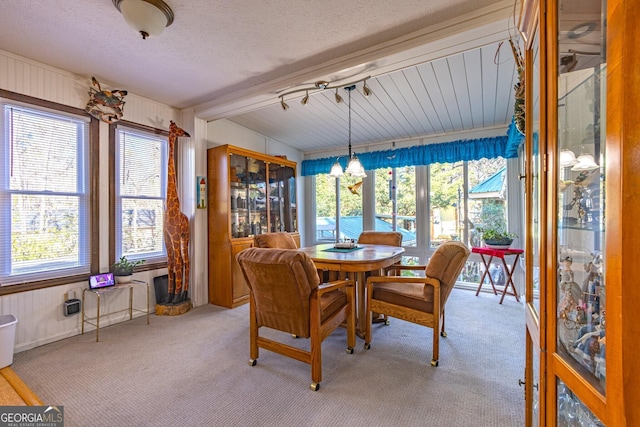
(351, 228)
(490, 187)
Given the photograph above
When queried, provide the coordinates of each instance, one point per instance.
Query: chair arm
(404, 279)
(332, 286)
(404, 267)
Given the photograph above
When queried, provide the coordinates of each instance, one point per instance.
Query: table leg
(487, 264)
(131, 303)
(82, 314)
(360, 298)
(147, 303)
(98, 319)
(509, 277)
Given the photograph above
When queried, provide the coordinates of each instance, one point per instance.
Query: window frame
(423, 248)
(93, 147)
(149, 264)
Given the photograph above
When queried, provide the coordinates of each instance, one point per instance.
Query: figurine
(591, 344)
(571, 313)
(592, 284)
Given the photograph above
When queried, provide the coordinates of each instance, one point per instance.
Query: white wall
(221, 132)
(39, 312)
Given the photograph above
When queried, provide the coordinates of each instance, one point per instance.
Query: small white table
(104, 291)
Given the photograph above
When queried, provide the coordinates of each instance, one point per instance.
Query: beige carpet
(192, 370)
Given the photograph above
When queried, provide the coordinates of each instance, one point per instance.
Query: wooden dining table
(354, 264)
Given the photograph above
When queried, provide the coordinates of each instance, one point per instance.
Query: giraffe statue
(176, 230)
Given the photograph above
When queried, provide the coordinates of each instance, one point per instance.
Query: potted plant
(498, 238)
(123, 269)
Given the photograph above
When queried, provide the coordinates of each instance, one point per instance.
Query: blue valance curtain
(515, 138)
(447, 152)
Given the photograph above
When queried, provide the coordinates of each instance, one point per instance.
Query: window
(462, 198)
(348, 225)
(395, 202)
(140, 188)
(45, 199)
(325, 208)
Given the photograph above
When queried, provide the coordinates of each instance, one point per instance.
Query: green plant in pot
(123, 269)
(497, 237)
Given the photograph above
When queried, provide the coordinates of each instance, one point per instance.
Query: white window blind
(44, 194)
(141, 173)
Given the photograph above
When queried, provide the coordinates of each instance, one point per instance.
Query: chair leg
(443, 333)
(351, 321)
(253, 334)
(369, 318)
(436, 326)
(316, 360)
(436, 343)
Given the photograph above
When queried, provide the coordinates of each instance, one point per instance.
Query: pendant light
(355, 167)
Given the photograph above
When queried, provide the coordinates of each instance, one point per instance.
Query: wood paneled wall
(40, 313)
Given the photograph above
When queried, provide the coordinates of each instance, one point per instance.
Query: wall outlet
(71, 307)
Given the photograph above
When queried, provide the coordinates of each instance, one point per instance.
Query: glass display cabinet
(249, 194)
(582, 177)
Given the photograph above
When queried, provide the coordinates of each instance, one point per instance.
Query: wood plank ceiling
(468, 91)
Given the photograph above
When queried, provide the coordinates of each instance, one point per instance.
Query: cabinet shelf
(585, 227)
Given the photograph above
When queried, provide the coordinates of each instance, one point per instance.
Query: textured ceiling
(231, 60)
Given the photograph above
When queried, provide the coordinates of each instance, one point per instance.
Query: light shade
(148, 17)
(355, 168)
(585, 163)
(567, 158)
(336, 170)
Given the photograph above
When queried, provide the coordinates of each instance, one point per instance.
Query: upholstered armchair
(280, 240)
(418, 299)
(286, 295)
(389, 238)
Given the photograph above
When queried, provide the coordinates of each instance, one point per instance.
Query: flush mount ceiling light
(354, 168)
(148, 17)
(581, 30)
(321, 85)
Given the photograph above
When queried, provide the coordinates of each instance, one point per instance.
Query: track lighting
(321, 85)
(284, 105)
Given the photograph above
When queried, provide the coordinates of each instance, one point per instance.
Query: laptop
(103, 280)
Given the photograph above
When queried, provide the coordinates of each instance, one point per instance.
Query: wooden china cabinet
(582, 189)
(249, 193)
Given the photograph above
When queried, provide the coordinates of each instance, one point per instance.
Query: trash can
(7, 339)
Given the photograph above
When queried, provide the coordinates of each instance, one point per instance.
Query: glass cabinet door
(535, 195)
(282, 198)
(535, 190)
(247, 194)
(580, 175)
